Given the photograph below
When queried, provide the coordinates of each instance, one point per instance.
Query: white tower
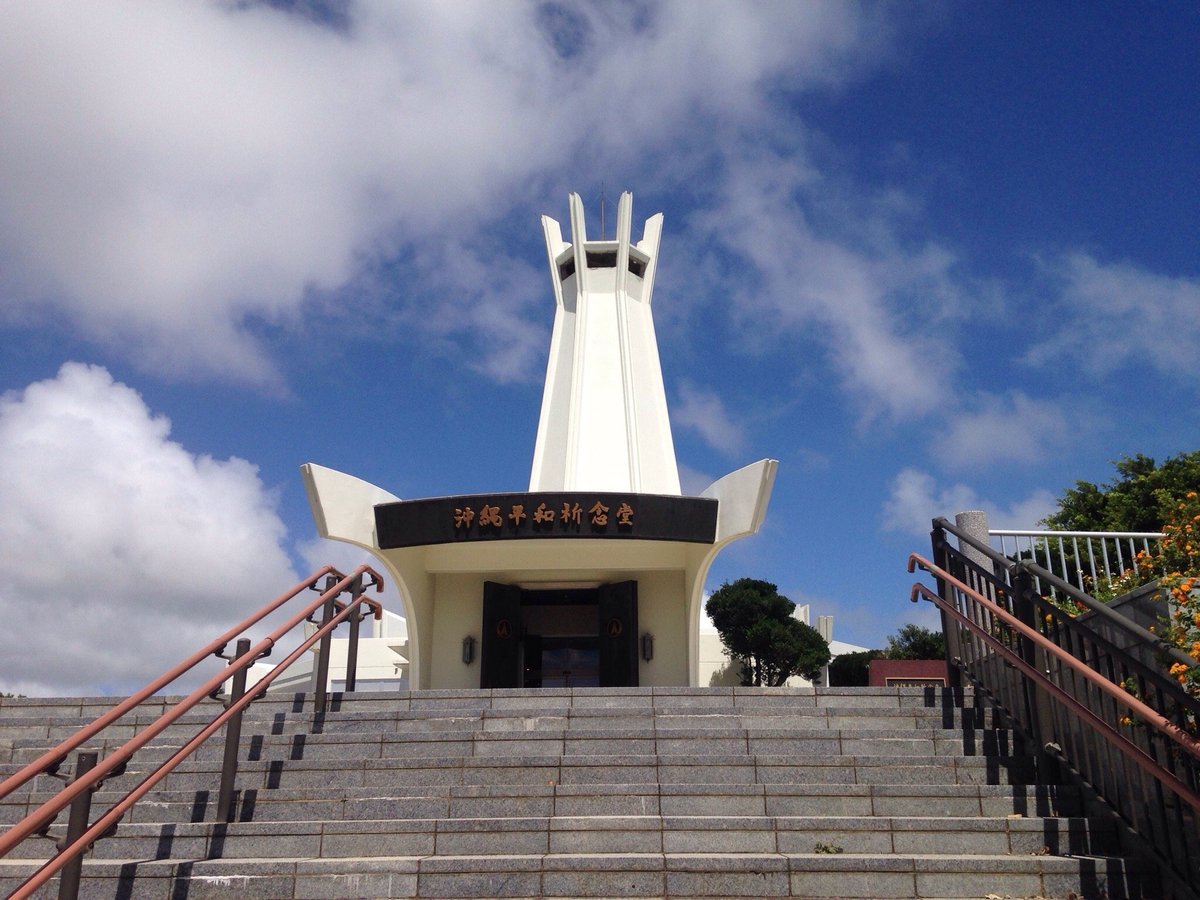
(604, 424)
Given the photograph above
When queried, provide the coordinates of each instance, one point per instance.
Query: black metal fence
(1092, 693)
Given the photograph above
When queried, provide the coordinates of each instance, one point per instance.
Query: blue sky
(930, 257)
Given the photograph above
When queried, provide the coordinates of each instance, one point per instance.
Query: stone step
(20, 749)
(728, 792)
(477, 801)
(264, 715)
(711, 768)
(649, 698)
(644, 697)
(611, 834)
(810, 875)
(695, 741)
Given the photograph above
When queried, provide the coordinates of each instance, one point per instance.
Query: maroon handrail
(1150, 716)
(40, 818)
(52, 758)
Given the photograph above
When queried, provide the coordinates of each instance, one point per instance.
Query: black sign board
(498, 517)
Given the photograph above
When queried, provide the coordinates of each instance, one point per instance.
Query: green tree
(916, 642)
(1141, 498)
(756, 626)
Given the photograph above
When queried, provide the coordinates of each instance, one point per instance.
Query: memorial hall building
(595, 575)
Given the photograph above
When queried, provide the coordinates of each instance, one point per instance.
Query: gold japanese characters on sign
(571, 514)
(470, 518)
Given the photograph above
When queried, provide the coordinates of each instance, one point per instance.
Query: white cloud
(485, 302)
(704, 413)
(1113, 314)
(870, 302)
(178, 176)
(810, 461)
(1014, 428)
(916, 500)
(123, 551)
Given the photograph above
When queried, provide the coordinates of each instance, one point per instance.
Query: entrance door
(561, 661)
(500, 648)
(576, 637)
(617, 629)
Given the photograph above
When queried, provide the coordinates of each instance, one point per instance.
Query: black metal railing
(1115, 718)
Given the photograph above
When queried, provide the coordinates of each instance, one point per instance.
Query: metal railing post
(77, 823)
(1037, 704)
(356, 589)
(950, 628)
(321, 676)
(233, 738)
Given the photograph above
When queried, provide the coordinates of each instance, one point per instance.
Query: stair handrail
(115, 761)
(1082, 692)
(1110, 615)
(1143, 712)
(49, 761)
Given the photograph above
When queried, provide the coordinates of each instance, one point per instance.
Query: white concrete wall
(662, 611)
(457, 612)
(715, 668)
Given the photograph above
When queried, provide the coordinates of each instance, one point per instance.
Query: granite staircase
(650, 792)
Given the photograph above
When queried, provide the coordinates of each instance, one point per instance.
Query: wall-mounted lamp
(647, 646)
(468, 655)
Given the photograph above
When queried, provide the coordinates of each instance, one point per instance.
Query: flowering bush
(1175, 564)
(1145, 570)
(1178, 565)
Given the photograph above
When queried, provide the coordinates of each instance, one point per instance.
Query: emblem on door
(503, 629)
(615, 627)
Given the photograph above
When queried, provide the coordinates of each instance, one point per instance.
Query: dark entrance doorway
(575, 637)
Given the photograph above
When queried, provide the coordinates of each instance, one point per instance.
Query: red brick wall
(899, 671)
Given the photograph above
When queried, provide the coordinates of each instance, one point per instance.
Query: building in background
(716, 668)
(382, 660)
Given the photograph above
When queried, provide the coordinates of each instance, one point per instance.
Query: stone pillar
(974, 522)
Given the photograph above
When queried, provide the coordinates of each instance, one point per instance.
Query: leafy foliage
(916, 642)
(1142, 498)
(1175, 566)
(756, 626)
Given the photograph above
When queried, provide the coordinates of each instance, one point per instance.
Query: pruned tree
(915, 642)
(756, 626)
(852, 669)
